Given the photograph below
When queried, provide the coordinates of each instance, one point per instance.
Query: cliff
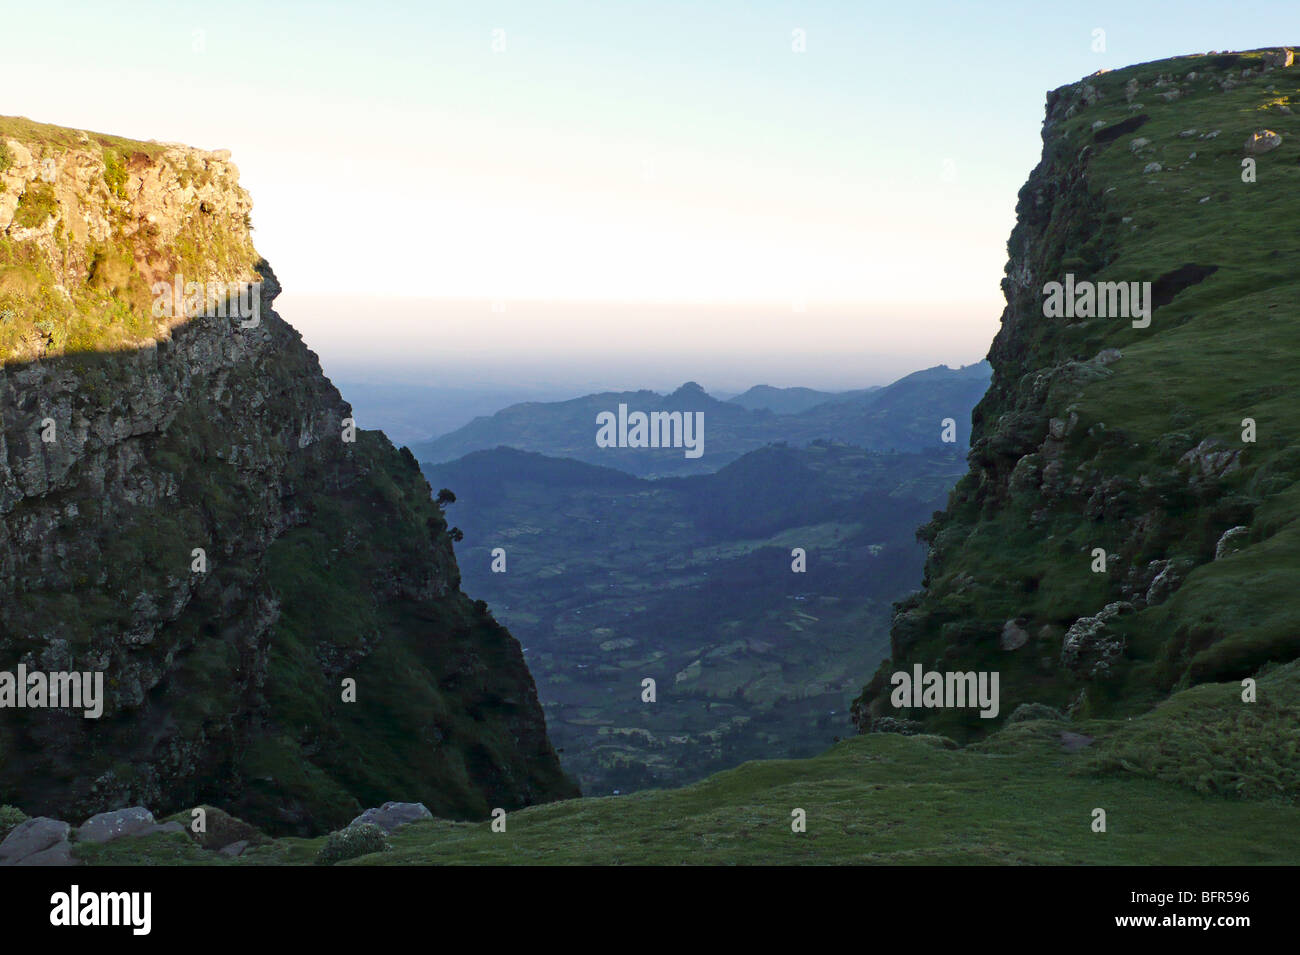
(1128, 524)
(185, 508)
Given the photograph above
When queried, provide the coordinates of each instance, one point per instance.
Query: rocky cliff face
(1132, 497)
(184, 508)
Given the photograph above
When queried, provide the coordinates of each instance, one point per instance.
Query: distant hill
(792, 400)
(905, 416)
(610, 579)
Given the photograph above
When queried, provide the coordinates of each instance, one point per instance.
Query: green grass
(880, 799)
(1220, 351)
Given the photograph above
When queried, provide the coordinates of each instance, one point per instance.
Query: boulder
(107, 826)
(1013, 634)
(1168, 579)
(1211, 459)
(58, 854)
(1262, 141)
(1090, 646)
(391, 815)
(1073, 742)
(31, 837)
(1231, 541)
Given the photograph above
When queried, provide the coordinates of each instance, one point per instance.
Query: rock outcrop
(1116, 456)
(270, 596)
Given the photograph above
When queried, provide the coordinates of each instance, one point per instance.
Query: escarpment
(1128, 523)
(271, 596)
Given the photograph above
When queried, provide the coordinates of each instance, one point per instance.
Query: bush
(114, 173)
(35, 206)
(358, 840)
(10, 818)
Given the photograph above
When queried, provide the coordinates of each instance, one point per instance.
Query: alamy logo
(922, 690)
(1098, 300)
(57, 690)
(75, 907)
(181, 299)
(658, 429)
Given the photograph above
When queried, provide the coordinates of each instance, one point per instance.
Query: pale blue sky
(637, 151)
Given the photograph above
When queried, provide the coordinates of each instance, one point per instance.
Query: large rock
(31, 837)
(1262, 141)
(1013, 634)
(58, 854)
(1233, 539)
(1211, 460)
(391, 815)
(1090, 647)
(108, 826)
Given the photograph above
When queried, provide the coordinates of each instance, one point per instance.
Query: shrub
(114, 173)
(358, 840)
(35, 206)
(10, 818)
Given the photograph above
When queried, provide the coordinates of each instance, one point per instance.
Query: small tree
(445, 497)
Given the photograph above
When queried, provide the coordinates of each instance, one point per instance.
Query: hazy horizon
(572, 153)
(725, 348)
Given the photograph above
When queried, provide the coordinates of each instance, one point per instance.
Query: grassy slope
(1020, 797)
(1221, 351)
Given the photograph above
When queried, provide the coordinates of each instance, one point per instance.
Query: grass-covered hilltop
(1122, 553)
(1172, 447)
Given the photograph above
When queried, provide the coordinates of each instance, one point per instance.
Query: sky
(628, 193)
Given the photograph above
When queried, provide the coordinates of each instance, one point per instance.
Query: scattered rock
(1090, 647)
(1168, 579)
(1108, 356)
(1013, 635)
(234, 849)
(1233, 539)
(391, 815)
(1152, 167)
(1137, 143)
(1189, 133)
(1212, 460)
(1262, 141)
(1280, 59)
(1073, 742)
